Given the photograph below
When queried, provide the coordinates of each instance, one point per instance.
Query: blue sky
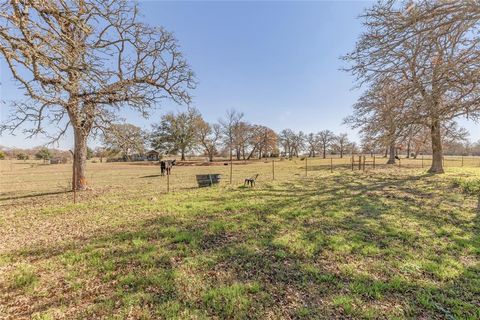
(278, 62)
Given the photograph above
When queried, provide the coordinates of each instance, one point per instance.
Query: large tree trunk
(391, 152)
(437, 152)
(79, 179)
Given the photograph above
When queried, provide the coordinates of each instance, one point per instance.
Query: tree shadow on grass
(151, 176)
(34, 195)
(288, 251)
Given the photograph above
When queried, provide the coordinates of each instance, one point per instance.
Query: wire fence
(30, 178)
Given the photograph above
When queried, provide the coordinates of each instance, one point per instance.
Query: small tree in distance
(22, 156)
(177, 133)
(341, 144)
(209, 137)
(126, 137)
(43, 154)
(326, 138)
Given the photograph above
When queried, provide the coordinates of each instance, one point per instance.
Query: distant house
(153, 155)
(135, 157)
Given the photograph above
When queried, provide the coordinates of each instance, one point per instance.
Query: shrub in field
(23, 277)
(22, 156)
(43, 154)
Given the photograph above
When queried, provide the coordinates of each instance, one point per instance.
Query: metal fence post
(273, 169)
(168, 183)
(231, 169)
(306, 166)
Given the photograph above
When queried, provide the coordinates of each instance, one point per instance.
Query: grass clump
(23, 277)
(231, 302)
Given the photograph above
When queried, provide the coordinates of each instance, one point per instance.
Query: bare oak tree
(313, 144)
(433, 47)
(380, 115)
(264, 141)
(209, 137)
(230, 128)
(80, 61)
(126, 137)
(326, 138)
(341, 144)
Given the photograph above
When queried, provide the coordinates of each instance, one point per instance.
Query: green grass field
(386, 243)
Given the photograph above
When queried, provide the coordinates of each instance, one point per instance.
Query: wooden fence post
(363, 163)
(359, 163)
(353, 160)
(462, 161)
(373, 162)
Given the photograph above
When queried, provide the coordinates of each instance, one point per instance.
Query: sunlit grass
(389, 243)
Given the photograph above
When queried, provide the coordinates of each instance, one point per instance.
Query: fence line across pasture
(57, 178)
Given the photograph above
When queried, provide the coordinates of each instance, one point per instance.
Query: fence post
(306, 166)
(168, 183)
(273, 169)
(363, 163)
(353, 160)
(231, 168)
(462, 161)
(359, 163)
(331, 164)
(422, 160)
(373, 162)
